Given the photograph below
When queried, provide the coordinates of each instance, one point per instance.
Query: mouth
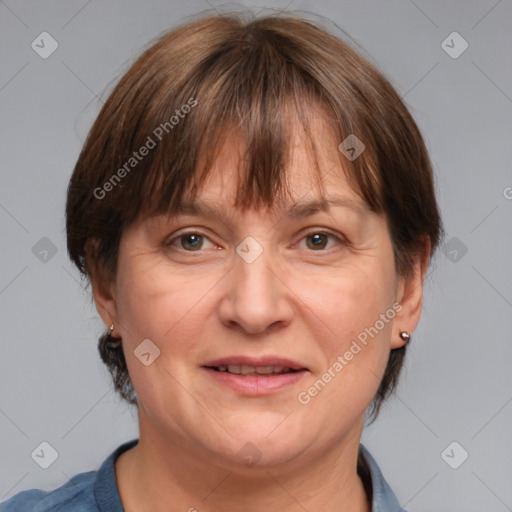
(253, 371)
(255, 376)
(254, 366)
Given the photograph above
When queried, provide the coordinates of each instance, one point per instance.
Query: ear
(103, 286)
(410, 296)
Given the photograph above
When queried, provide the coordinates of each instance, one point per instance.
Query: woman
(255, 209)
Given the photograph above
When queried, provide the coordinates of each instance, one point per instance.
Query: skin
(296, 301)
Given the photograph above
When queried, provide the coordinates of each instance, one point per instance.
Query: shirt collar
(383, 498)
(106, 492)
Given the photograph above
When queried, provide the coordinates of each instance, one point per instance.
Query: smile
(251, 376)
(254, 371)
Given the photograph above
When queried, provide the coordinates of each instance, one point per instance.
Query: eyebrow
(307, 209)
(297, 210)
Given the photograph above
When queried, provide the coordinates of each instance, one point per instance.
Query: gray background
(457, 385)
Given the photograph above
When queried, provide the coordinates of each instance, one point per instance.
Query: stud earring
(405, 335)
(110, 342)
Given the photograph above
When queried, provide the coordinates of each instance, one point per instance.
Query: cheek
(157, 305)
(163, 305)
(347, 301)
(353, 313)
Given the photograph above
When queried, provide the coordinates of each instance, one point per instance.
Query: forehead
(315, 179)
(315, 167)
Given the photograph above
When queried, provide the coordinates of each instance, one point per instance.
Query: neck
(161, 470)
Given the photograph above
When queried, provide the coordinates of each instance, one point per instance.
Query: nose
(256, 299)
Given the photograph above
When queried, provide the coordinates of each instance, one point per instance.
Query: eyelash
(338, 239)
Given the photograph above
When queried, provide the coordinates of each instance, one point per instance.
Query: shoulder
(76, 495)
(92, 491)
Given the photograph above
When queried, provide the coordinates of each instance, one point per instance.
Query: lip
(251, 385)
(256, 386)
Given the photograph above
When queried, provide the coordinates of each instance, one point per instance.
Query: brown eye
(317, 240)
(191, 241)
(323, 242)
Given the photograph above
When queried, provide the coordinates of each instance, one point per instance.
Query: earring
(110, 342)
(405, 336)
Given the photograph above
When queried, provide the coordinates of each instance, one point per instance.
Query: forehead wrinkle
(298, 210)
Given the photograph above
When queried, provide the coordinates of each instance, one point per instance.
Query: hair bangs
(250, 94)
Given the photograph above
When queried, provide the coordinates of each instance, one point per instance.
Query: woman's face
(264, 289)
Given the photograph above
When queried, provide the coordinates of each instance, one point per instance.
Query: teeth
(263, 370)
(253, 370)
(244, 369)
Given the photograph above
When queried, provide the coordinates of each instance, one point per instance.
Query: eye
(317, 240)
(191, 241)
(194, 241)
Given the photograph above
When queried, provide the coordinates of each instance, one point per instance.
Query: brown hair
(177, 101)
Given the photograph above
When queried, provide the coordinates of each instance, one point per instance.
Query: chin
(260, 448)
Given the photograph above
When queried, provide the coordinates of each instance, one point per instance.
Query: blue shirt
(96, 491)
